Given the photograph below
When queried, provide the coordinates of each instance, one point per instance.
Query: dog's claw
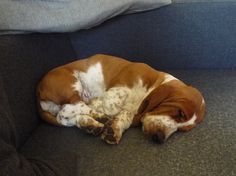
(110, 134)
(93, 130)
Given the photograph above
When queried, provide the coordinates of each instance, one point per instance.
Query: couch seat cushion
(207, 150)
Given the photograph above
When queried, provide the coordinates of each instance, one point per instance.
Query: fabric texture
(23, 61)
(65, 15)
(193, 1)
(7, 126)
(178, 36)
(13, 163)
(207, 150)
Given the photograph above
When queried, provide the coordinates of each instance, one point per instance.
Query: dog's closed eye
(180, 114)
(180, 117)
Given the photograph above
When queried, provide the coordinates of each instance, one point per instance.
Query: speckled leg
(82, 116)
(113, 100)
(98, 114)
(115, 127)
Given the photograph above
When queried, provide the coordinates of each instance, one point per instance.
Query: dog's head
(171, 107)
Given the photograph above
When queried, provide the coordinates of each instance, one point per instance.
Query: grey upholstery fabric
(65, 15)
(13, 163)
(178, 36)
(207, 150)
(7, 126)
(193, 1)
(23, 61)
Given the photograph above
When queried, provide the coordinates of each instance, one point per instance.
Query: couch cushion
(65, 15)
(193, 1)
(207, 150)
(23, 61)
(13, 163)
(188, 35)
(7, 125)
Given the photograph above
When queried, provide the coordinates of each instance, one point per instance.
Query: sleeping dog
(106, 95)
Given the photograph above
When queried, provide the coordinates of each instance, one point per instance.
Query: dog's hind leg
(80, 115)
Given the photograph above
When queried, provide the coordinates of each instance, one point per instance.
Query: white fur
(117, 99)
(71, 114)
(86, 120)
(125, 119)
(162, 122)
(203, 102)
(189, 122)
(114, 99)
(90, 84)
(50, 107)
(135, 96)
(168, 78)
(166, 123)
(77, 86)
(123, 103)
(67, 121)
(126, 98)
(69, 110)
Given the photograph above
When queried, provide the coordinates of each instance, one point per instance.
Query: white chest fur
(122, 98)
(90, 84)
(136, 95)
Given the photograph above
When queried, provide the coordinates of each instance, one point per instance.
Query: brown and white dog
(105, 94)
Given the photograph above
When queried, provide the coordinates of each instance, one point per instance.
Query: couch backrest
(23, 61)
(179, 36)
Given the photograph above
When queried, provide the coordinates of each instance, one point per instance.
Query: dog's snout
(159, 137)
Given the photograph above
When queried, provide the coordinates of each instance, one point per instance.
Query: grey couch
(195, 41)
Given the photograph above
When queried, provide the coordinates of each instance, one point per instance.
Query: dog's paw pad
(104, 119)
(111, 135)
(93, 130)
(110, 139)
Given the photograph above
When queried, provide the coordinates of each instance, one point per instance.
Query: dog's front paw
(103, 119)
(112, 132)
(89, 125)
(94, 130)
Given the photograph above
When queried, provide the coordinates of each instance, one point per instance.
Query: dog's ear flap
(199, 102)
(154, 99)
(143, 107)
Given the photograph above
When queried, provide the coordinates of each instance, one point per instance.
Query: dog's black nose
(159, 137)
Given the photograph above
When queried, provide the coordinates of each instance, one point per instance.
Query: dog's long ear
(154, 99)
(199, 102)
